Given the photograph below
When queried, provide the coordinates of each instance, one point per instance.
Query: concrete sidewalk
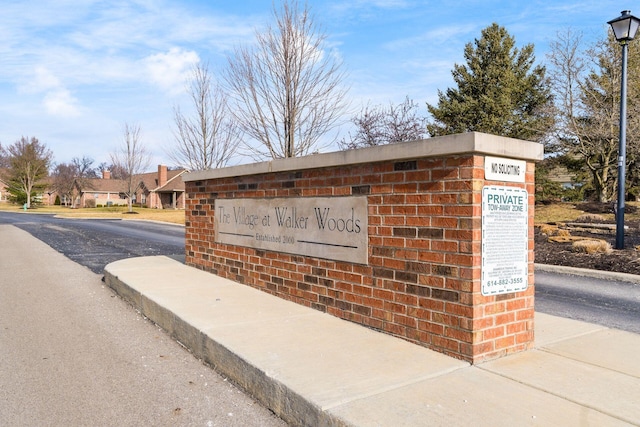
(313, 369)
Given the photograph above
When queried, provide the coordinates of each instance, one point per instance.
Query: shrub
(553, 230)
(590, 218)
(90, 203)
(591, 246)
(548, 230)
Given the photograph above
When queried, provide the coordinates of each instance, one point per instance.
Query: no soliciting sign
(505, 235)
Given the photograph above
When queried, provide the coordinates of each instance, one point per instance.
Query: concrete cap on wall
(448, 145)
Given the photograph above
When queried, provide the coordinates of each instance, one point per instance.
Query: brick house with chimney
(92, 192)
(160, 190)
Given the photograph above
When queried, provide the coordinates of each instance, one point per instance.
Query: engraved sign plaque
(324, 227)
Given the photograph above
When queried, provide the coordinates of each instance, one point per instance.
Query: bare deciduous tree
(84, 167)
(115, 171)
(286, 89)
(4, 160)
(381, 125)
(65, 175)
(207, 138)
(132, 159)
(587, 107)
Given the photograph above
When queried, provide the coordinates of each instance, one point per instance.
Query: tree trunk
(28, 191)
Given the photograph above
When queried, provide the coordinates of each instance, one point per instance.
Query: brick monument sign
(430, 241)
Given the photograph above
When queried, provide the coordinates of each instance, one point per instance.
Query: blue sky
(72, 72)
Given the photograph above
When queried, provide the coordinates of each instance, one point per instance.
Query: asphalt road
(72, 353)
(96, 243)
(611, 303)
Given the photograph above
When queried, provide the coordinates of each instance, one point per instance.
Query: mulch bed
(626, 260)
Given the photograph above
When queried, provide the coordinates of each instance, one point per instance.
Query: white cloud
(57, 99)
(61, 103)
(169, 70)
(39, 81)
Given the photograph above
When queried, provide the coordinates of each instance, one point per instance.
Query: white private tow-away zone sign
(505, 240)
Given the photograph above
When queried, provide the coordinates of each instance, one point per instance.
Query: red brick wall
(423, 279)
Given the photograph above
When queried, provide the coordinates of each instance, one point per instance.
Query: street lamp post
(624, 28)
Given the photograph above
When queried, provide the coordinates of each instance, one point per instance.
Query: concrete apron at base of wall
(306, 384)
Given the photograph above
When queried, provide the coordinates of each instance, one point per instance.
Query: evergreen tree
(500, 91)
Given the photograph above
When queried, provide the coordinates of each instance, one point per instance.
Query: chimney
(106, 174)
(162, 175)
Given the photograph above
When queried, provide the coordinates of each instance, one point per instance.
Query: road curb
(584, 272)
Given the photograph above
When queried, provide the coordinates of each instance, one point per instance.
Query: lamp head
(625, 26)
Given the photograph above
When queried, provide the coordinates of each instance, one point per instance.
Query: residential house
(562, 176)
(92, 192)
(160, 190)
(48, 194)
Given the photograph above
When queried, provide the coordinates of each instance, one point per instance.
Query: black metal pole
(622, 151)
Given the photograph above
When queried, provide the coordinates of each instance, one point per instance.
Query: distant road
(95, 243)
